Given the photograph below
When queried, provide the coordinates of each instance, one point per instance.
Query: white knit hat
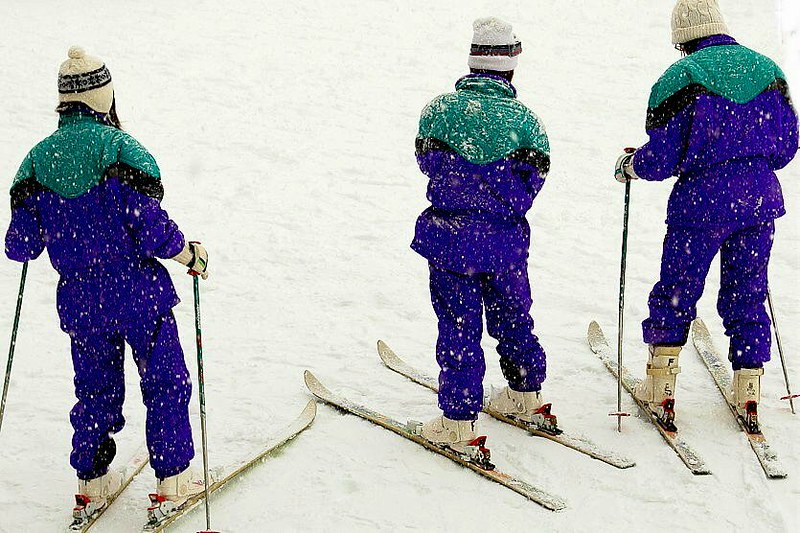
(695, 19)
(494, 45)
(85, 79)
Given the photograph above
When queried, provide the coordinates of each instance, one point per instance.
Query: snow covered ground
(285, 136)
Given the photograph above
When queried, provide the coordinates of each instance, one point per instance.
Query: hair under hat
(494, 45)
(85, 79)
(695, 19)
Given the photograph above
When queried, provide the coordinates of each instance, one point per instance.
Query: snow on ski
(718, 369)
(575, 442)
(546, 500)
(600, 346)
(302, 422)
(135, 465)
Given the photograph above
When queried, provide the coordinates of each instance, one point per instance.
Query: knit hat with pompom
(695, 19)
(494, 45)
(85, 79)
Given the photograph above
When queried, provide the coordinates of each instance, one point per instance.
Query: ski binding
(160, 509)
(475, 452)
(750, 418)
(84, 511)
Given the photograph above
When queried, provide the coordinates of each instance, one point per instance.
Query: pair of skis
(703, 342)
(529, 491)
(140, 459)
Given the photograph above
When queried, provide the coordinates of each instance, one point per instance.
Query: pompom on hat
(494, 45)
(695, 19)
(85, 79)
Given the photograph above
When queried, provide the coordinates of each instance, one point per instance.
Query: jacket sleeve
(787, 142)
(662, 156)
(24, 238)
(154, 233)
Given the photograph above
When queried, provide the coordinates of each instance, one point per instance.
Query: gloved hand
(623, 172)
(195, 257)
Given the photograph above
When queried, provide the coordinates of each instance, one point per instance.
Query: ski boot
(92, 497)
(745, 396)
(657, 390)
(172, 493)
(457, 436)
(526, 407)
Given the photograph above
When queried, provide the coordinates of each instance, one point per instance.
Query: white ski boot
(93, 495)
(657, 390)
(745, 396)
(173, 492)
(456, 435)
(527, 407)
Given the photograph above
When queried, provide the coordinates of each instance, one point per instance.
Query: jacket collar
(488, 84)
(67, 119)
(715, 40)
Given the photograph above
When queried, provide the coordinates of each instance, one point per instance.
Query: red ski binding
(666, 415)
(546, 421)
(479, 454)
(751, 418)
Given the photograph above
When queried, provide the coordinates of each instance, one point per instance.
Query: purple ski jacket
(90, 194)
(722, 121)
(486, 156)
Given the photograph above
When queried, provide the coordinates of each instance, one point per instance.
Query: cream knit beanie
(494, 45)
(85, 79)
(695, 19)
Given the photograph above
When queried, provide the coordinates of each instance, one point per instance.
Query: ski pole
(201, 391)
(623, 265)
(789, 396)
(13, 341)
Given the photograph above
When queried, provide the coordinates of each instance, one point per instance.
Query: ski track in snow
(285, 136)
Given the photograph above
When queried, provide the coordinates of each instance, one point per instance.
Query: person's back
(721, 120)
(486, 156)
(91, 192)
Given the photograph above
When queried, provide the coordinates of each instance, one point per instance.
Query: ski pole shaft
(789, 394)
(201, 391)
(622, 269)
(13, 341)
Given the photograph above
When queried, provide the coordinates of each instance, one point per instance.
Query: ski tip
(310, 379)
(594, 327)
(699, 327)
(310, 410)
(386, 354)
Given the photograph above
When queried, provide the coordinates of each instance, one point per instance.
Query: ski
(301, 423)
(717, 368)
(84, 516)
(575, 442)
(600, 346)
(527, 490)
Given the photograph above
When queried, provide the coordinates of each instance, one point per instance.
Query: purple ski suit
(484, 171)
(91, 195)
(722, 121)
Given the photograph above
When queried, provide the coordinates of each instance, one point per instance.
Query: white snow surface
(285, 135)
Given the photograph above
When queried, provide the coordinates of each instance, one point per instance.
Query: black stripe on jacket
(537, 159)
(137, 180)
(660, 115)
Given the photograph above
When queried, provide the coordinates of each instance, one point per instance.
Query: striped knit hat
(494, 45)
(695, 19)
(85, 79)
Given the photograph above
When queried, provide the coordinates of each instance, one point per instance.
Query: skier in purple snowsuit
(722, 121)
(90, 194)
(486, 156)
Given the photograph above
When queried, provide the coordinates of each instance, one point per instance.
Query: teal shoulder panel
(25, 171)
(482, 128)
(732, 71)
(132, 153)
(74, 159)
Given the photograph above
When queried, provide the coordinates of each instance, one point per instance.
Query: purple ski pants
(459, 301)
(688, 253)
(98, 359)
